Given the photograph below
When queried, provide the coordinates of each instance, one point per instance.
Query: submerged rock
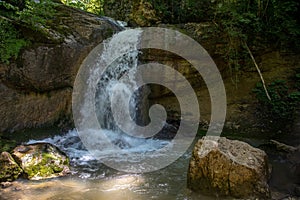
(41, 161)
(228, 168)
(9, 169)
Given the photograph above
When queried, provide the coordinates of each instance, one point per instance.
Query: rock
(297, 190)
(10, 170)
(5, 184)
(228, 168)
(36, 88)
(32, 110)
(143, 14)
(136, 12)
(41, 161)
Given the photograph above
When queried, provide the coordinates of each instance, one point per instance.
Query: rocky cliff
(36, 88)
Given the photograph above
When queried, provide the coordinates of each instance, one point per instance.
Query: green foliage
(275, 21)
(278, 113)
(181, 11)
(282, 16)
(22, 13)
(92, 6)
(10, 43)
(36, 14)
(258, 23)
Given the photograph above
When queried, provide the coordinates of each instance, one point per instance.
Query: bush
(11, 43)
(279, 113)
(92, 6)
(21, 13)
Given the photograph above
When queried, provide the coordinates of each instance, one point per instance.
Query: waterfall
(109, 80)
(92, 145)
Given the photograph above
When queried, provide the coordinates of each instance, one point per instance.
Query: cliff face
(36, 89)
(243, 115)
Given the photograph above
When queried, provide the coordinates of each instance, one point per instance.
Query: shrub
(279, 112)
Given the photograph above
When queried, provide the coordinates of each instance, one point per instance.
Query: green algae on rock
(41, 161)
(9, 169)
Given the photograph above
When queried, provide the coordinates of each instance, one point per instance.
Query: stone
(143, 14)
(36, 88)
(5, 184)
(135, 12)
(226, 167)
(10, 170)
(297, 190)
(41, 161)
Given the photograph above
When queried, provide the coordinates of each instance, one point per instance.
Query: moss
(66, 162)
(10, 173)
(48, 166)
(10, 170)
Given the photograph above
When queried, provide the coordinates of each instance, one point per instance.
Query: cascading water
(107, 83)
(109, 79)
(91, 179)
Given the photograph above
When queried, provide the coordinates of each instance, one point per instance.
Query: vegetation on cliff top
(266, 23)
(17, 15)
(272, 21)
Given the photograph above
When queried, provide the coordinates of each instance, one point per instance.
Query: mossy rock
(9, 169)
(41, 161)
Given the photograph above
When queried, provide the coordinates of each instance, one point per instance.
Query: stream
(91, 180)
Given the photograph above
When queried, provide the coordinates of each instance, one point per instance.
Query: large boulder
(36, 88)
(226, 167)
(9, 169)
(41, 161)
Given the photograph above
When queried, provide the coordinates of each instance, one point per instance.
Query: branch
(264, 14)
(258, 70)
(283, 147)
(5, 18)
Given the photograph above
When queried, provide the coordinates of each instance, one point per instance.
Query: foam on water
(86, 165)
(120, 56)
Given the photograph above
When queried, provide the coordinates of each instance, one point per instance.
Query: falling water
(108, 143)
(90, 179)
(109, 81)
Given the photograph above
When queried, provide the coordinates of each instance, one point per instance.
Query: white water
(113, 107)
(107, 82)
(85, 165)
(90, 179)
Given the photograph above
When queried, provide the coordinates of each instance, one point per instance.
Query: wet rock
(297, 190)
(228, 168)
(121, 144)
(73, 140)
(9, 169)
(41, 161)
(285, 176)
(5, 184)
